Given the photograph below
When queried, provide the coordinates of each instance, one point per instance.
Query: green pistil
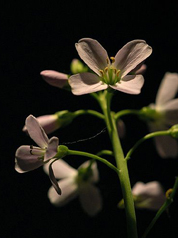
(110, 75)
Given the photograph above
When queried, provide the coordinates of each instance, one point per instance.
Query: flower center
(37, 151)
(110, 75)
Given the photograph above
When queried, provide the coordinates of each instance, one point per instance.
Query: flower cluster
(100, 76)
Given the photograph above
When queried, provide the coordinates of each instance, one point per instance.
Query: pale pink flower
(31, 157)
(114, 74)
(75, 183)
(164, 114)
(148, 195)
(55, 78)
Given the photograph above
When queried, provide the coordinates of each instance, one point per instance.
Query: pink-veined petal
(69, 191)
(61, 169)
(90, 199)
(55, 78)
(95, 174)
(167, 89)
(36, 132)
(85, 83)
(130, 84)
(52, 148)
(131, 54)
(92, 53)
(25, 161)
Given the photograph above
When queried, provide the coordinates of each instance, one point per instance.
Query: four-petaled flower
(75, 183)
(31, 157)
(163, 114)
(114, 73)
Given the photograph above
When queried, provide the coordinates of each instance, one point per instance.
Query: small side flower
(29, 157)
(147, 196)
(75, 183)
(163, 114)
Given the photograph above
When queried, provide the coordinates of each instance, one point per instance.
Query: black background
(36, 36)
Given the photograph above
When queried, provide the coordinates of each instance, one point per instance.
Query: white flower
(75, 183)
(148, 195)
(164, 114)
(109, 74)
(31, 157)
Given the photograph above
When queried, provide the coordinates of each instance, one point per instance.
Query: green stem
(90, 112)
(105, 100)
(92, 156)
(105, 152)
(148, 136)
(126, 112)
(167, 203)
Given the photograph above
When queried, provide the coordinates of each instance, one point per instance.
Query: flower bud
(51, 123)
(174, 131)
(121, 128)
(61, 151)
(55, 78)
(48, 122)
(77, 67)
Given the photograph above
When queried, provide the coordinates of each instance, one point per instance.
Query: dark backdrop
(36, 36)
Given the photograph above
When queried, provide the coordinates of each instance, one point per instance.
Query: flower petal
(167, 89)
(36, 132)
(131, 54)
(69, 191)
(52, 148)
(25, 161)
(90, 199)
(48, 122)
(85, 83)
(140, 69)
(55, 78)
(61, 169)
(171, 112)
(167, 147)
(131, 84)
(92, 53)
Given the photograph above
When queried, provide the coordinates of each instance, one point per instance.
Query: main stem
(105, 100)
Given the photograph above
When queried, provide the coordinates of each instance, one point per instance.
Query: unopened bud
(77, 67)
(174, 131)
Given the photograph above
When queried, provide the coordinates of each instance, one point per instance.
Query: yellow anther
(168, 192)
(118, 72)
(106, 70)
(113, 59)
(107, 60)
(101, 71)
